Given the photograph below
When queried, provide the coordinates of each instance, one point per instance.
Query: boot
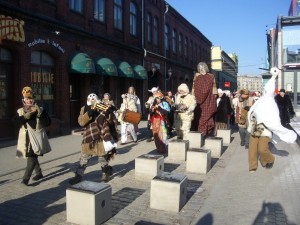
(75, 180)
(106, 172)
(38, 177)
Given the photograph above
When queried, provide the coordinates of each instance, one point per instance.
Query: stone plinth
(88, 203)
(177, 150)
(225, 134)
(168, 192)
(148, 166)
(198, 160)
(196, 139)
(215, 145)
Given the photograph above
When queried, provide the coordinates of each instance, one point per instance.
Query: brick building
(66, 49)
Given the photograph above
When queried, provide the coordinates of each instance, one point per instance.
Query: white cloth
(266, 111)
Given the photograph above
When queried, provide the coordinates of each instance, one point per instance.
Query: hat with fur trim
(183, 87)
(27, 92)
(154, 89)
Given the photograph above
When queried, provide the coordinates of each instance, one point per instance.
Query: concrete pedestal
(225, 134)
(215, 145)
(168, 192)
(88, 203)
(196, 139)
(148, 166)
(198, 160)
(177, 150)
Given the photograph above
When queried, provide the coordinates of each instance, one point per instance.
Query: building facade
(253, 84)
(225, 68)
(66, 49)
(284, 51)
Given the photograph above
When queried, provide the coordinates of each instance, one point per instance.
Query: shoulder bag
(38, 139)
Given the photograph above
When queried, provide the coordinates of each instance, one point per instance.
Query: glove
(27, 115)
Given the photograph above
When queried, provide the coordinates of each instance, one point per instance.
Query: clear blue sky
(237, 26)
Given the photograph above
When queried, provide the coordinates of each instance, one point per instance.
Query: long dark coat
(286, 110)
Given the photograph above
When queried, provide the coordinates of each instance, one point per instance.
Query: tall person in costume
(100, 130)
(264, 124)
(205, 91)
(29, 114)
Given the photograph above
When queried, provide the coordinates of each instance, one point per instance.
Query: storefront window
(291, 44)
(5, 73)
(42, 79)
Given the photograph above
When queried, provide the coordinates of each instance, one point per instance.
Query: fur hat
(183, 87)
(27, 92)
(244, 92)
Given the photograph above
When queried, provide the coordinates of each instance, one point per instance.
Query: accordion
(100, 107)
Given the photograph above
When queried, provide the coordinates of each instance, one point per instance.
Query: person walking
(223, 110)
(185, 105)
(30, 114)
(158, 116)
(285, 106)
(264, 120)
(242, 108)
(126, 127)
(99, 137)
(171, 100)
(205, 91)
(148, 105)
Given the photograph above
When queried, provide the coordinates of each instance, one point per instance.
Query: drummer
(128, 104)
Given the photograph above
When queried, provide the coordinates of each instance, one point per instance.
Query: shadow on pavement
(124, 197)
(207, 219)
(36, 208)
(271, 213)
(274, 150)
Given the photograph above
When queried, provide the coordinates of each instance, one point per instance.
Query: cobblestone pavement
(227, 194)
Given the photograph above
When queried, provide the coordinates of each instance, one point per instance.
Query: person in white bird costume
(264, 124)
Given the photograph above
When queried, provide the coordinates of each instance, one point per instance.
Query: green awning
(82, 63)
(124, 69)
(140, 72)
(104, 66)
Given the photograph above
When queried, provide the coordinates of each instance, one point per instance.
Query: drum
(131, 117)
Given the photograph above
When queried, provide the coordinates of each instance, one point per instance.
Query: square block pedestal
(168, 192)
(225, 134)
(148, 166)
(177, 149)
(215, 145)
(196, 139)
(88, 203)
(198, 160)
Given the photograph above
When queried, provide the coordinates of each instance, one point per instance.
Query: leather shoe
(269, 165)
(37, 177)
(25, 182)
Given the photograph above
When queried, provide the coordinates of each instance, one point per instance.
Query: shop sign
(226, 84)
(11, 29)
(47, 42)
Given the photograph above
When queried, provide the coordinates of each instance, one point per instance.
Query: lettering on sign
(45, 77)
(48, 42)
(11, 29)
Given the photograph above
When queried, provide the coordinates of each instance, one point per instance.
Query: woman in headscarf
(158, 115)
